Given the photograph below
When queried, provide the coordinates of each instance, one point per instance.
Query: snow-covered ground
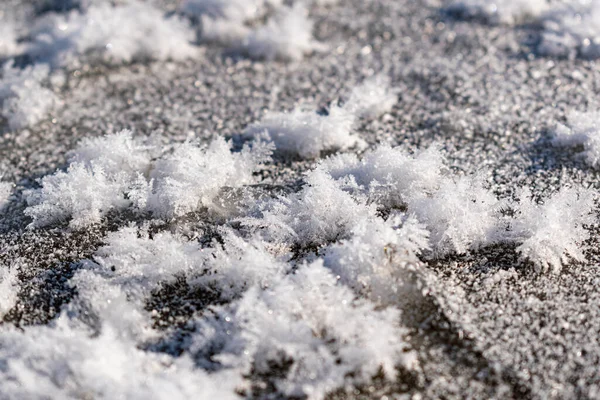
(223, 199)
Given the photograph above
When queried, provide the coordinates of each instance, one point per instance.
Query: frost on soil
(108, 34)
(24, 95)
(308, 133)
(582, 133)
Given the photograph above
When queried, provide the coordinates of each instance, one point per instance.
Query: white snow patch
(307, 133)
(67, 360)
(116, 172)
(5, 192)
(287, 36)
(113, 35)
(24, 96)
(581, 129)
(308, 318)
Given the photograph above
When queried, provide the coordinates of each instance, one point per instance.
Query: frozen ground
(152, 270)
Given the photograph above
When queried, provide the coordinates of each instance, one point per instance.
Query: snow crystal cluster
(24, 95)
(582, 132)
(306, 133)
(109, 34)
(286, 35)
(117, 171)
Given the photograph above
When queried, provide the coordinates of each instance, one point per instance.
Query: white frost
(24, 97)
(581, 129)
(113, 35)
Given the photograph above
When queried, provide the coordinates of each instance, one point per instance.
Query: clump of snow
(372, 98)
(309, 327)
(371, 261)
(192, 176)
(5, 192)
(552, 232)
(389, 176)
(67, 360)
(117, 171)
(135, 31)
(581, 129)
(24, 96)
(571, 30)
(8, 289)
(320, 213)
(461, 214)
(103, 174)
(287, 36)
(498, 11)
(307, 133)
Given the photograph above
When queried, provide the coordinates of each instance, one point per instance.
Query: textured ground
(488, 325)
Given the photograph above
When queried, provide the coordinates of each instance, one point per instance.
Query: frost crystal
(192, 176)
(308, 133)
(371, 261)
(116, 172)
(552, 232)
(460, 215)
(67, 360)
(312, 324)
(25, 99)
(389, 176)
(8, 38)
(287, 36)
(582, 129)
(100, 178)
(108, 34)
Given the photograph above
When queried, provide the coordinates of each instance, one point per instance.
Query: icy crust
(24, 95)
(498, 11)
(117, 172)
(307, 133)
(111, 35)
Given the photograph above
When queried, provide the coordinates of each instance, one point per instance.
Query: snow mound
(581, 130)
(307, 133)
(110, 35)
(24, 96)
(497, 11)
